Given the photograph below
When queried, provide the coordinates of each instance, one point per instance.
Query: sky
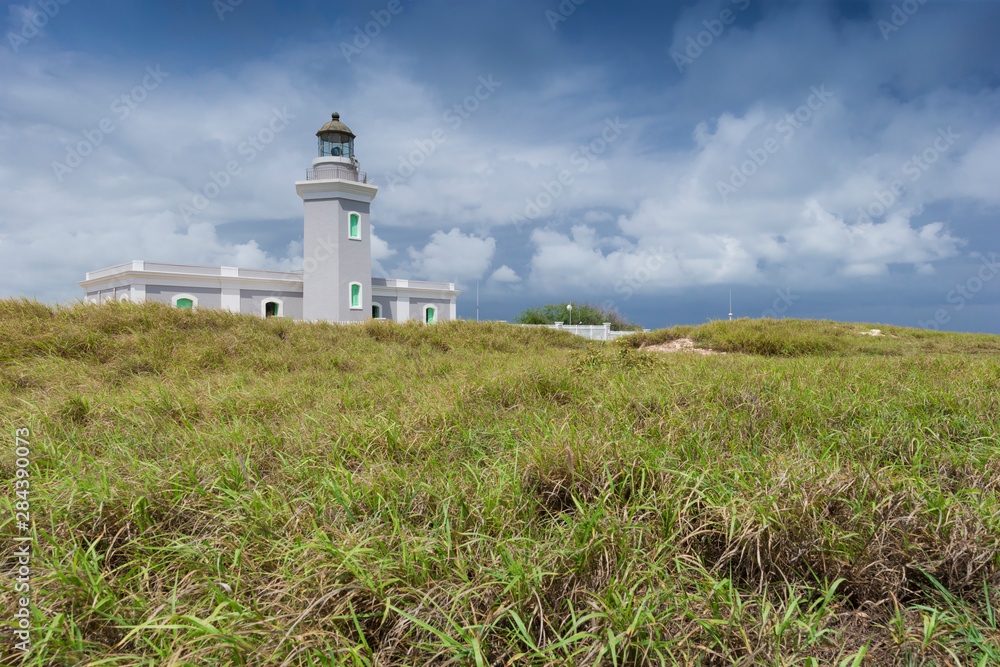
(830, 160)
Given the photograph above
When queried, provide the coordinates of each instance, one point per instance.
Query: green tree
(583, 313)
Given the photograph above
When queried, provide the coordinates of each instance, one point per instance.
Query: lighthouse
(337, 256)
(335, 284)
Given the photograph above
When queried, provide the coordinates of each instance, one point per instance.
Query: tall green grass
(791, 338)
(211, 488)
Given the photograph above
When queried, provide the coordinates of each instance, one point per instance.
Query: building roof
(192, 275)
(335, 126)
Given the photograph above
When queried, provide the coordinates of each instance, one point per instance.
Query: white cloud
(814, 248)
(451, 257)
(506, 275)
(380, 252)
(978, 171)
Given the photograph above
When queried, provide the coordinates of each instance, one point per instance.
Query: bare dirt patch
(678, 345)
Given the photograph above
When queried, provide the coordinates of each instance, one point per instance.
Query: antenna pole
(477, 300)
(730, 305)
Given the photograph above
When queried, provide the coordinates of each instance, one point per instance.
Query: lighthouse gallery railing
(327, 171)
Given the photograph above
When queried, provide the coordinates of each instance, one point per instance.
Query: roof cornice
(336, 188)
(192, 279)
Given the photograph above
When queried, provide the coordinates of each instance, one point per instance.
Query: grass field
(215, 489)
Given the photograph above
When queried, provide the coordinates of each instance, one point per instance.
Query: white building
(335, 284)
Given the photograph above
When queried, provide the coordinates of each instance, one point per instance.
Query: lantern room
(336, 140)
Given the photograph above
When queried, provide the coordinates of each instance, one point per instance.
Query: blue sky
(818, 159)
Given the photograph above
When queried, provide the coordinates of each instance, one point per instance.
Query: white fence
(591, 331)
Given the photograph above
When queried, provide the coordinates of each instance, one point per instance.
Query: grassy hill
(793, 338)
(210, 488)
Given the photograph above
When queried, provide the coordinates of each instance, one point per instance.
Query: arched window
(272, 308)
(430, 312)
(355, 295)
(354, 228)
(376, 311)
(185, 301)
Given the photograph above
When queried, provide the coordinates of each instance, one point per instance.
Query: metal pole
(477, 300)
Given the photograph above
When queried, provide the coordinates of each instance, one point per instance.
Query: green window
(429, 316)
(355, 295)
(271, 309)
(185, 303)
(355, 226)
(376, 311)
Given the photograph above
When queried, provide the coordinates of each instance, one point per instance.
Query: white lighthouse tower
(336, 271)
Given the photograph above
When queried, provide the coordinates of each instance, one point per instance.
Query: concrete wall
(110, 294)
(332, 261)
(251, 300)
(293, 303)
(388, 306)
(208, 297)
(442, 307)
(321, 246)
(355, 260)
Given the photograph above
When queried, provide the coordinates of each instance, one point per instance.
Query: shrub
(583, 313)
